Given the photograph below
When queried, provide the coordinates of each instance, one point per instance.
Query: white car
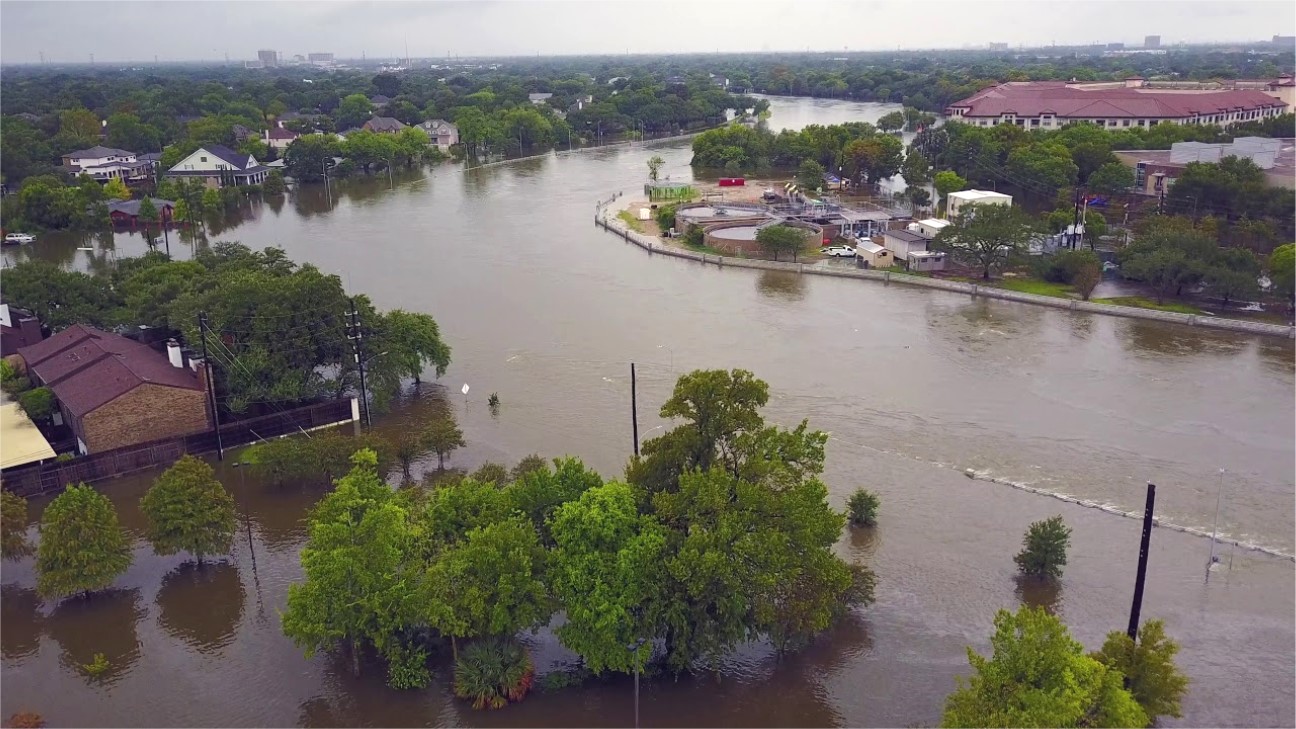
(839, 251)
(19, 238)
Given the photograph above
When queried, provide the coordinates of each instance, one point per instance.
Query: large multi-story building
(1152, 41)
(320, 59)
(268, 58)
(1128, 104)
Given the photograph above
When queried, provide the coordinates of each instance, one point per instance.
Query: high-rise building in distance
(269, 58)
(320, 58)
(1152, 41)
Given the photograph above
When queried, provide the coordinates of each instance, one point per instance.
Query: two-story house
(218, 166)
(441, 132)
(279, 138)
(384, 125)
(107, 163)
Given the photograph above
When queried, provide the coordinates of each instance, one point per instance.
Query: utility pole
(356, 334)
(1137, 607)
(211, 385)
(634, 409)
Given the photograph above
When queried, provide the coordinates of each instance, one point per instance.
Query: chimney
(173, 354)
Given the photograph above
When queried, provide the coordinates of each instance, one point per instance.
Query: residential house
(242, 133)
(955, 201)
(539, 98)
(114, 392)
(107, 163)
(126, 212)
(384, 125)
(380, 100)
(441, 132)
(580, 103)
(292, 116)
(219, 166)
(872, 255)
(18, 328)
(901, 243)
(279, 138)
(21, 442)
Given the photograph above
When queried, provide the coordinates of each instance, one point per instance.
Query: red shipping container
(733, 182)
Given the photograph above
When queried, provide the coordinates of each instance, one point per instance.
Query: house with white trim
(108, 163)
(441, 132)
(218, 166)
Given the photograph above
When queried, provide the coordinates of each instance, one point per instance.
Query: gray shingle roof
(98, 152)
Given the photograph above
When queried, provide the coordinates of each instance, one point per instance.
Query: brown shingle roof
(87, 368)
(1033, 98)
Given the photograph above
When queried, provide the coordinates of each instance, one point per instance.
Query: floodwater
(914, 386)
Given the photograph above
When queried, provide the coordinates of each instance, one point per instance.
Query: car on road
(839, 251)
(19, 239)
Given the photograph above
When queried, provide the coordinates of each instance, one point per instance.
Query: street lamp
(672, 355)
(634, 648)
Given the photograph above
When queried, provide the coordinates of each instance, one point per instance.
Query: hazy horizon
(133, 31)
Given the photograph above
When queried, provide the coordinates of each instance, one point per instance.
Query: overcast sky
(182, 30)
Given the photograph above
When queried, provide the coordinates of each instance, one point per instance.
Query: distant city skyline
(74, 32)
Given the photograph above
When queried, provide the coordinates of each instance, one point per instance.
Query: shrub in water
(492, 672)
(863, 506)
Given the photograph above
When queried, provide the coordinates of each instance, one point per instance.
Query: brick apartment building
(114, 392)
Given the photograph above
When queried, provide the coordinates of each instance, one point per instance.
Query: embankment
(653, 245)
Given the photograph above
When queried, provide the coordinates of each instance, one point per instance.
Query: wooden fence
(54, 476)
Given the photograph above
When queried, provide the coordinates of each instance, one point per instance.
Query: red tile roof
(277, 133)
(87, 368)
(1033, 98)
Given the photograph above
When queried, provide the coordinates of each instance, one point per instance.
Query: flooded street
(914, 386)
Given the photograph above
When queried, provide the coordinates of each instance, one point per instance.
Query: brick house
(114, 392)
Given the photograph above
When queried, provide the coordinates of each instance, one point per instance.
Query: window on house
(204, 159)
(1035, 122)
(1125, 122)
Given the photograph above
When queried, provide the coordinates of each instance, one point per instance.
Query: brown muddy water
(914, 387)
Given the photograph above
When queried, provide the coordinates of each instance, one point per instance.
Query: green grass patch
(629, 219)
(712, 251)
(1143, 302)
(1036, 286)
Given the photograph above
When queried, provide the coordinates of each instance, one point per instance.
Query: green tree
(1038, 676)
(948, 181)
(82, 547)
(872, 159)
(59, 297)
(810, 175)
(38, 403)
(357, 587)
(490, 584)
(80, 127)
(604, 574)
(1282, 271)
(188, 510)
(126, 131)
(918, 197)
(354, 111)
(654, 166)
(776, 239)
(750, 531)
(308, 156)
(443, 437)
(1231, 285)
(1086, 277)
(412, 342)
(891, 122)
(986, 236)
(13, 526)
(916, 169)
(117, 189)
(148, 212)
(862, 507)
(274, 184)
(1155, 682)
(1044, 548)
(1041, 167)
(1111, 178)
(537, 491)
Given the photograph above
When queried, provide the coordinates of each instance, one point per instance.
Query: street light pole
(634, 649)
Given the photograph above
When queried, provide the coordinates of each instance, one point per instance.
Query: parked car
(19, 239)
(839, 251)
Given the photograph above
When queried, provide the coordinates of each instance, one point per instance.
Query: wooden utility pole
(211, 385)
(634, 410)
(1137, 607)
